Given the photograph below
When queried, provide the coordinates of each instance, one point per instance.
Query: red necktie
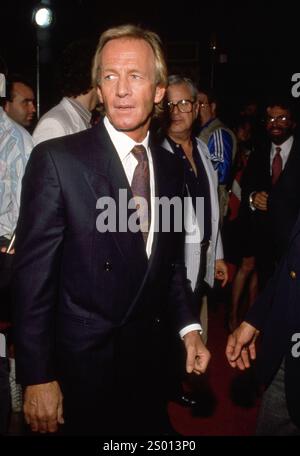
(276, 165)
(140, 187)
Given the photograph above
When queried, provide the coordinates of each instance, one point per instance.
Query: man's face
(181, 122)
(21, 109)
(243, 133)
(206, 109)
(279, 124)
(127, 85)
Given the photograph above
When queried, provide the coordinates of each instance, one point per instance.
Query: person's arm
(240, 349)
(220, 147)
(253, 194)
(16, 151)
(39, 237)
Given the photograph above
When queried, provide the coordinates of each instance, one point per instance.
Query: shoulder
(56, 116)
(202, 148)
(14, 137)
(167, 158)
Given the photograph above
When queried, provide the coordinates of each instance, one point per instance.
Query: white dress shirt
(123, 145)
(284, 152)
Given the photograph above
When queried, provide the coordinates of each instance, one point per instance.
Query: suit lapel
(106, 178)
(161, 184)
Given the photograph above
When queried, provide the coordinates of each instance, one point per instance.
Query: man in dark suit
(94, 300)
(275, 314)
(271, 186)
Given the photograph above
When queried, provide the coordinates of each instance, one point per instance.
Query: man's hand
(43, 407)
(221, 272)
(260, 201)
(198, 356)
(241, 346)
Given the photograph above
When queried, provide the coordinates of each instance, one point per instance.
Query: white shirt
(123, 145)
(15, 147)
(284, 152)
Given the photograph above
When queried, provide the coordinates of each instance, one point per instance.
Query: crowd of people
(128, 201)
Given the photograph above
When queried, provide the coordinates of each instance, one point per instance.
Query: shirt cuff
(189, 328)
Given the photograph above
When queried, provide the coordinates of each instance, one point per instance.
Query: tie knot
(278, 150)
(140, 153)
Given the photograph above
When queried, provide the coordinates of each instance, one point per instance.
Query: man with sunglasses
(271, 187)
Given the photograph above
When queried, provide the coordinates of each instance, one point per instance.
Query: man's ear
(213, 108)
(99, 93)
(159, 94)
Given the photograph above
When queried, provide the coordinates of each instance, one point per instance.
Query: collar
(122, 142)
(285, 147)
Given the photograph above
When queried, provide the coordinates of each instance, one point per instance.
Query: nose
(123, 87)
(32, 107)
(175, 107)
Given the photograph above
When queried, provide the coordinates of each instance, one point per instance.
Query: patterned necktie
(276, 165)
(140, 187)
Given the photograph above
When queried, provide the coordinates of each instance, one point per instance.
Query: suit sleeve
(39, 237)
(220, 145)
(259, 311)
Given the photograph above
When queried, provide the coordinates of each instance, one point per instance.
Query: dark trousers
(4, 395)
(274, 417)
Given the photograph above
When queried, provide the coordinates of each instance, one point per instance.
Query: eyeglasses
(182, 105)
(279, 119)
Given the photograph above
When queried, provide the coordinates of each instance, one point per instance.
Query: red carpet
(229, 398)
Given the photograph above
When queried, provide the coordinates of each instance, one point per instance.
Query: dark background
(258, 38)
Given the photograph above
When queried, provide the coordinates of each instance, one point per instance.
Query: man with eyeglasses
(204, 255)
(271, 187)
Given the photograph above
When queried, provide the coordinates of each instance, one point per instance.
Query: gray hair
(176, 79)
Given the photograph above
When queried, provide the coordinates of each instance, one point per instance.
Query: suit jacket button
(107, 266)
(293, 275)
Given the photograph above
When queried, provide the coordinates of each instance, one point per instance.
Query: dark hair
(283, 102)
(11, 80)
(75, 68)
(241, 121)
(210, 93)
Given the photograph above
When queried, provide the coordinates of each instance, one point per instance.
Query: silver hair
(176, 79)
